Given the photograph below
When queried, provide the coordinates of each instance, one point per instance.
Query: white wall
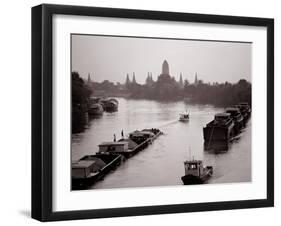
(15, 111)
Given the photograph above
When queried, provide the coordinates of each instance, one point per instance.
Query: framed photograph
(145, 112)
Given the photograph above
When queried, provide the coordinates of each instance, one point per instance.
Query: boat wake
(168, 124)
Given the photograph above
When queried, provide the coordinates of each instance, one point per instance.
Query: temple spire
(165, 68)
(127, 80)
(181, 81)
(196, 79)
(134, 78)
(89, 78)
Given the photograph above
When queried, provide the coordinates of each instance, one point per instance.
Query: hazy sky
(111, 58)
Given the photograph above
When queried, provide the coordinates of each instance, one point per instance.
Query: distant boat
(109, 105)
(95, 109)
(184, 117)
(196, 173)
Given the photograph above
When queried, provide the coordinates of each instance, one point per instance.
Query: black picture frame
(42, 107)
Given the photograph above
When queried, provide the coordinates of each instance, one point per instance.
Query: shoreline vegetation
(164, 88)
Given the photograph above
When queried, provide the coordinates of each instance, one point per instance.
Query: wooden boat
(184, 117)
(196, 173)
(91, 168)
(220, 129)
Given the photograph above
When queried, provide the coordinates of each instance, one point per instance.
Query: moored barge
(245, 110)
(137, 141)
(237, 119)
(91, 168)
(220, 129)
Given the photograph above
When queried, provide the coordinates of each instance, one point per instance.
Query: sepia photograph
(149, 111)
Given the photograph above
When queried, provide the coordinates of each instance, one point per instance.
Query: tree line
(80, 94)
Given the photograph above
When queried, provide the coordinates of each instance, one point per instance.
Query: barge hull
(216, 134)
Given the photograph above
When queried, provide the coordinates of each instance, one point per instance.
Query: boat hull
(191, 179)
(217, 133)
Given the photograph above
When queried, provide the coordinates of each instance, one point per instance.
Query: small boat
(196, 173)
(95, 109)
(184, 117)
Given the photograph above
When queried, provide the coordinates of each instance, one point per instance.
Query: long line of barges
(225, 126)
(92, 168)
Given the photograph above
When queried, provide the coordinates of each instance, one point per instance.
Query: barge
(196, 173)
(220, 129)
(237, 119)
(137, 141)
(245, 110)
(92, 168)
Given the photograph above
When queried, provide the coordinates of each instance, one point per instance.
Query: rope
(210, 138)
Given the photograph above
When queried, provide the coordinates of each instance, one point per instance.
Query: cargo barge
(92, 168)
(137, 141)
(226, 126)
(220, 129)
(237, 119)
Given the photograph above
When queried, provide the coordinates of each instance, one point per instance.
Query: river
(162, 162)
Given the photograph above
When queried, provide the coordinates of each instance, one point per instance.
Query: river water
(162, 162)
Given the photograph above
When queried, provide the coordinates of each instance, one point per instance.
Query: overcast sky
(111, 58)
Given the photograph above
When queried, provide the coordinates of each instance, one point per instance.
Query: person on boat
(114, 139)
(122, 134)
